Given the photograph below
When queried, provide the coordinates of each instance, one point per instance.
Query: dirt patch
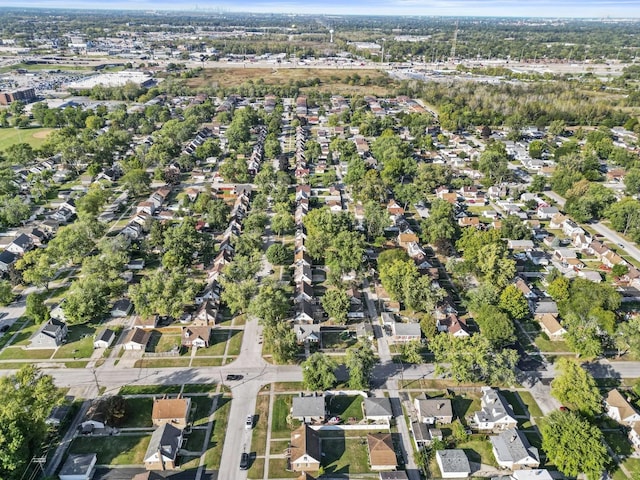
(41, 134)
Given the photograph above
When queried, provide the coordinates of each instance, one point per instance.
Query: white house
(453, 463)
(513, 451)
(620, 409)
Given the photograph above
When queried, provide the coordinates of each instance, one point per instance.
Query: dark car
(4, 328)
(244, 461)
(234, 377)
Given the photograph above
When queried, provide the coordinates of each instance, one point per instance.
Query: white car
(249, 423)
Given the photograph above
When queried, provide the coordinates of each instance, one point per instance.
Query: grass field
(114, 450)
(346, 407)
(33, 136)
(149, 389)
(138, 412)
(344, 456)
(281, 408)
(329, 79)
(478, 451)
(214, 453)
(259, 441)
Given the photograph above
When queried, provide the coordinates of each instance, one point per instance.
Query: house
(394, 209)
(163, 448)
(136, 339)
(7, 259)
(171, 410)
(305, 451)
(513, 451)
(551, 326)
(455, 326)
(304, 293)
(634, 435)
(305, 312)
(620, 409)
(433, 410)
(520, 244)
(547, 213)
(377, 409)
(423, 434)
(302, 273)
(382, 455)
(104, 338)
(533, 474)
(545, 306)
(195, 336)
(309, 409)
(21, 244)
(557, 221)
(50, 335)
(121, 308)
(453, 463)
(307, 333)
(469, 222)
(206, 314)
(80, 466)
(146, 323)
(405, 332)
(495, 412)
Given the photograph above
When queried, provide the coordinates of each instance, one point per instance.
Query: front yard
(114, 450)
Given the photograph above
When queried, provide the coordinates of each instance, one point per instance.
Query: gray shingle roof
(377, 407)
(308, 406)
(512, 446)
(167, 439)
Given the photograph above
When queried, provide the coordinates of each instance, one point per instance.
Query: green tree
(27, 399)
(421, 295)
(336, 303)
(514, 229)
(412, 352)
(495, 326)
(136, 181)
(37, 267)
(318, 372)
(632, 181)
(574, 445)
(513, 302)
(396, 275)
(360, 361)
(271, 304)
(346, 252)
(440, 228)
(115, 410)
(6, 293)
(278, 254)
(87, 299)
(181, 243)
(627, 338)
(493, 164)
(495, 265)
(376, 219)
(282, 222)
(576, 388)
(36, 309)
(280, 340)
(473, 359)
(237, 295)
(165, 292)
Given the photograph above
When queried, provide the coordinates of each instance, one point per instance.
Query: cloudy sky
(508, 8)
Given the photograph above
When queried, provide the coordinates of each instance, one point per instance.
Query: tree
(514, 303)
(282, 222)
(360, 360)
(336, 303)
(421, 295)
(181, 243)
(346, 251)
(412, 352)
(27, 400)
(280, 340)
(115, 410)
(165, 292)
(495, 265)
(576, 388)
(376, 219)
(6, 293)
(217, 214)
(37, 267)
(36, 309)
(440, 228)
(396, 275)
(632, 181)
(318, 372)
(538, 184)
(573, 445)
(87, 299)
(136, 181)
(237, 295)
(627, 337)
(473, 359)
(494, 164)
(278, 254)
(514, 229)
(271, 304)
(559, 289)
(91, 204)
(495, 326)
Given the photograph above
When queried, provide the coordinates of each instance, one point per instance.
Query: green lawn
(163, 342)
(138, 412)
(168, 362)
(206, 362)
(17, 325)
(25, 334)
(532, 405)
(235, 342)
(82, 348)
(217, 344)
(199, 388)
(465, 404)
(149, 389)
(214, 453)
(202, 408)
(514, 401)
(631, 464)
(18, 353)
(546, 345)
(114, 450)
(33, 136)
(345, 456)
(346, 407)
(195, 442)
(478, 451)
(281, 408)
(337, 339)
(257, 469)
(277, 469)
(259, 436)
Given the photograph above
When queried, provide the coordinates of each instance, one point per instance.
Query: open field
(334, 80)
(114, 450)
(33, 136)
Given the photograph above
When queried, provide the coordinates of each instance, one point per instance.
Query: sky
(502, 8)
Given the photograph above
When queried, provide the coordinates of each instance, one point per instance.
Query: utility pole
(455, 40)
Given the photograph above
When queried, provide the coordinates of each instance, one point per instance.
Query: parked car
(244, 461)
(249, 423)
(234, 377)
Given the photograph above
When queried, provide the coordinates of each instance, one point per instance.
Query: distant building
(26, 95)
